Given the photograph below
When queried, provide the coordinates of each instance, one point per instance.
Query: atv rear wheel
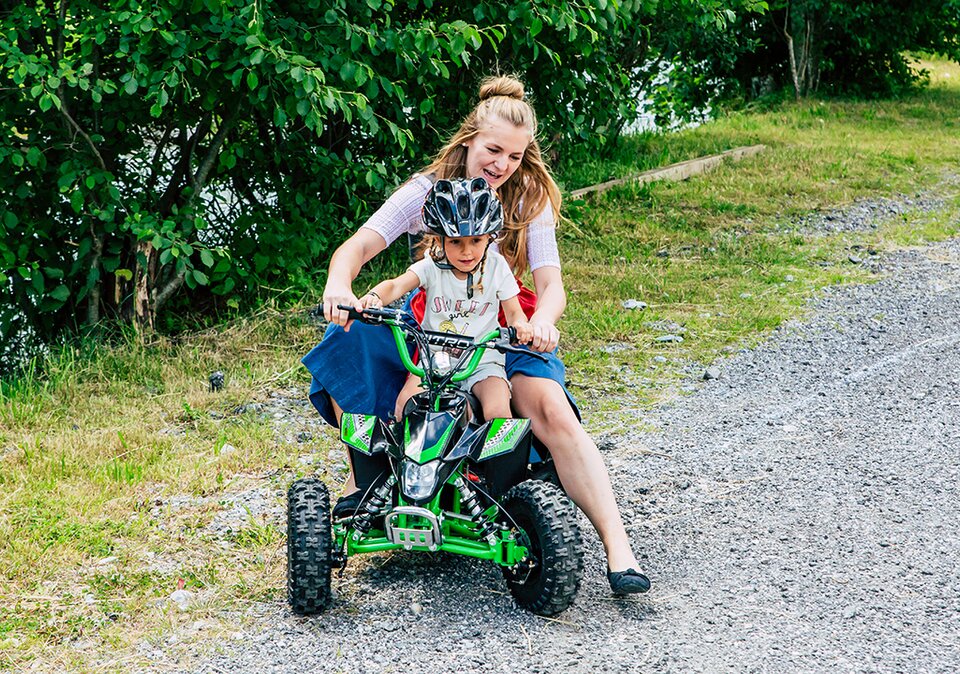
(549, 583)
(309, 543)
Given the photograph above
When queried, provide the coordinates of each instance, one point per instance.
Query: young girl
(356, 368)
(466, 283)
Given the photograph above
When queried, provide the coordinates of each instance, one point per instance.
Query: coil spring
(363, 521)
(469, 501)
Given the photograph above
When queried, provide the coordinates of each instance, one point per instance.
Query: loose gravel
(798, 512)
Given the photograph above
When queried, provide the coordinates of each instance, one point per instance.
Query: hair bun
(503, 85)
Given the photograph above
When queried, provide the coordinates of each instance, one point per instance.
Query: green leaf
(252, 80)
(535, 27)
(125, 274)
(131, 86)
(76, 201)
(46, 102)
(206, 257)
(61, 293)
(34, 155)
(200, 277)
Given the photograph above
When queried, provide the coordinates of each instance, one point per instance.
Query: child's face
(465, 252)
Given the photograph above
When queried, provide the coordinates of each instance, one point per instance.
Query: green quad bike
(440, 480)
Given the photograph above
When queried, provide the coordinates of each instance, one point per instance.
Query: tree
(855, 47)
(191, 152)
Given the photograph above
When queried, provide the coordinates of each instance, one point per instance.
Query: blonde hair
(525, 194)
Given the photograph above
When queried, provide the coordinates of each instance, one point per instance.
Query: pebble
(633, 304)
(182, 598)
(666, 339)
(711, 373)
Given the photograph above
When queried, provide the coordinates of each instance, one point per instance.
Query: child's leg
(494, 396)
(410, 388)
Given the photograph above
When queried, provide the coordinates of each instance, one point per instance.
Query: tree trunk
(143, 311)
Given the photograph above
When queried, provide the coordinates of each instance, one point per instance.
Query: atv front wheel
(309, 544)
(546, 582)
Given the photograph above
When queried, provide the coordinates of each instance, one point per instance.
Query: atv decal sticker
(356, 430)
(503, 436)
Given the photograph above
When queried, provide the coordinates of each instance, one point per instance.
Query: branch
(155, 163)
(164, 293)
(63, 27)
(66, 114)
(182, 167)
(207, 165)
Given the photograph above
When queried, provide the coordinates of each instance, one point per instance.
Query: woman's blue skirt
(362, 371)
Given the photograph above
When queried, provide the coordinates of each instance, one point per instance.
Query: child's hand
(524, 331)
(371, 301)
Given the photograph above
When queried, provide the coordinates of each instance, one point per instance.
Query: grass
(115, 461)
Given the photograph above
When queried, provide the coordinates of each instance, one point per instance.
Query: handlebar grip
(527, 352)
(352, 313)
(370, 315)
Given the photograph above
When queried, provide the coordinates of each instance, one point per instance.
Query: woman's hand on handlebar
(333, 297)
(544, 335)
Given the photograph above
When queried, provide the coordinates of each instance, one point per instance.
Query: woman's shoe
(347, 505)
(630, 581)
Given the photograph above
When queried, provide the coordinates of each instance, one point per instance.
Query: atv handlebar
(504, 342)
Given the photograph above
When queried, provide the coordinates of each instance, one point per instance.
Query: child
(466, 284)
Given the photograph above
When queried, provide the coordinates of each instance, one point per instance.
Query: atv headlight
(419, 480)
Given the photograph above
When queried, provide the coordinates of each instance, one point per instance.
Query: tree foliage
(857, 47)
(189, 153)
(197, 150)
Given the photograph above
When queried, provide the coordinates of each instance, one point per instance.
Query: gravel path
(800, 513)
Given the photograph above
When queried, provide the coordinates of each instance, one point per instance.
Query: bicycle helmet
(462, 207)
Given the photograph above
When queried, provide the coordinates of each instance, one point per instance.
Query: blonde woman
(356, 367)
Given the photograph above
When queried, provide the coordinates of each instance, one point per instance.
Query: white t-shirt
(449, 310)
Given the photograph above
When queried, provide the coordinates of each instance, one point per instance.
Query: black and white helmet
(462, 207)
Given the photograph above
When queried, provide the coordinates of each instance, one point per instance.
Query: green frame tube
(415, 369)
(506, 551)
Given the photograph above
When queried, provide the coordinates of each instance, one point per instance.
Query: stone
(633, 304)
(711, 373)
(666, 339)
(182, 598)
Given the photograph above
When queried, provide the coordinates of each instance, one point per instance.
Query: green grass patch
(115, 460)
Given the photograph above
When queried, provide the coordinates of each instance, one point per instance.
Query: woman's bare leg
(350, 485)
(579, 464)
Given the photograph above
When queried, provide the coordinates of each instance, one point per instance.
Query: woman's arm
(551, 302)
(344, 267)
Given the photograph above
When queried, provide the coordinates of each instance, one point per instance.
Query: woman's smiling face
(495, 153)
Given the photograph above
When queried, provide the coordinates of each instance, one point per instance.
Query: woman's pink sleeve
(542, 241)
(400, 213)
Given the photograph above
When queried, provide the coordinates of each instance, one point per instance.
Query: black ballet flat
(630, 581)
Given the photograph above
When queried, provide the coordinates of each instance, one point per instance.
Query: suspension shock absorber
(363, 520)
(470, 503)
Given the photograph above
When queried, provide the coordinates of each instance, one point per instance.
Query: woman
(354, 370)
